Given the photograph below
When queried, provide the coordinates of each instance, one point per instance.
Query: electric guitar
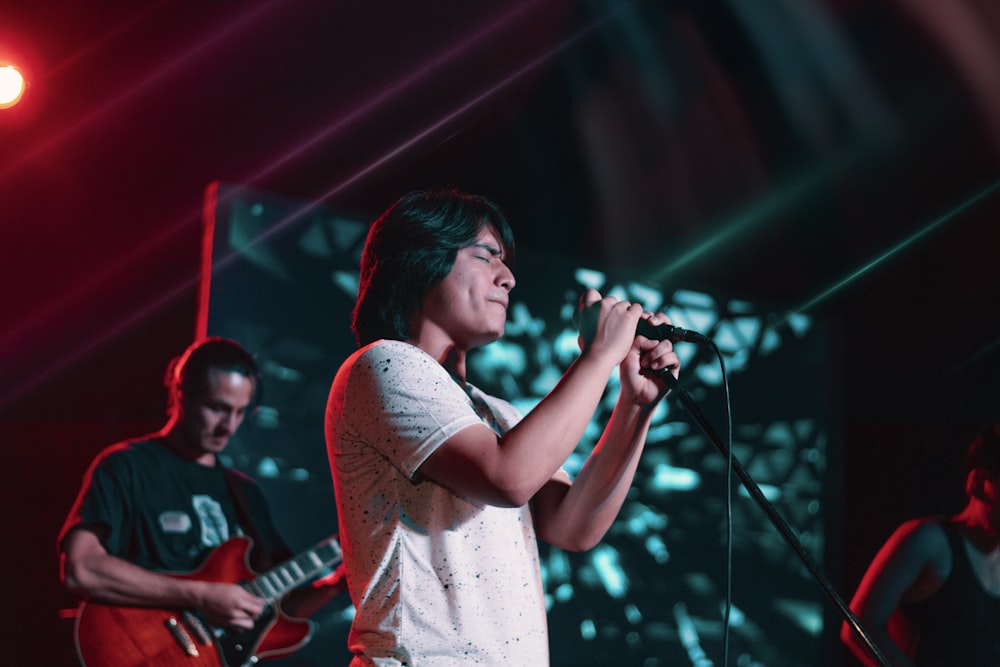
(118, 636)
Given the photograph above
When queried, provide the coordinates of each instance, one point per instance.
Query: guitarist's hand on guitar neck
(229, 605)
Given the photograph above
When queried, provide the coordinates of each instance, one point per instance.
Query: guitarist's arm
(87, 569)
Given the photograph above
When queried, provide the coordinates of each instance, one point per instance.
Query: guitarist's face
(211, 418)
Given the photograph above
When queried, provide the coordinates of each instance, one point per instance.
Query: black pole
(776, 518)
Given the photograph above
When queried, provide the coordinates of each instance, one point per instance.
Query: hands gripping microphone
(588, 327)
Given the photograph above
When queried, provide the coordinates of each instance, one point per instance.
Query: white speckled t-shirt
(436, 580)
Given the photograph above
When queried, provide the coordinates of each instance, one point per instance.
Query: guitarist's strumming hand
(230, 605)
(225, 615)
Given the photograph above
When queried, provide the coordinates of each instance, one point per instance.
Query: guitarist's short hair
(187, 373)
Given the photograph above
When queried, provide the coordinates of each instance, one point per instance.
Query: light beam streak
(92, 344)
(420, 136)
(392, 91)
(781, 199)
(11, 338)
(95, 281)
(899, 247)
(976, 356)
(896, 249)
(213, 39)
(43, 373)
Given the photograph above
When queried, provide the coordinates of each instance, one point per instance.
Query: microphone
(669, 332)
(588, 327)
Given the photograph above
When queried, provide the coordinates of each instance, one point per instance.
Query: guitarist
(163, 502)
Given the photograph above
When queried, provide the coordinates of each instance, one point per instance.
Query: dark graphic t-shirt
(163, 512)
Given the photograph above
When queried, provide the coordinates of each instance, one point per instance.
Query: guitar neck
(279, 580)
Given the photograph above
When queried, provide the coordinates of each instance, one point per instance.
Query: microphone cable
(729, 509)
(674, 384)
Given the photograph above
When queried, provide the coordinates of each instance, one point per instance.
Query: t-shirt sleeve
(401, 402)
(103, 502)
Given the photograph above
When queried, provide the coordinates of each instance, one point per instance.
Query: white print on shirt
(174, 521)
(214, 527)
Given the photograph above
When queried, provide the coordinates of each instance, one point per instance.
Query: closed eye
(492, 251)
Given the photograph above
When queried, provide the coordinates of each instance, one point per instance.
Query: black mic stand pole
(776, 518)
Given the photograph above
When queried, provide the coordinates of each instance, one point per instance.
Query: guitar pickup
(181, 636)
(195, 624)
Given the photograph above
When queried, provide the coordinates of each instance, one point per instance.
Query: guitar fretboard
(296, 571)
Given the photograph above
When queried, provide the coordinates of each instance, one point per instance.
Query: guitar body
(115, 636)
(109, 636)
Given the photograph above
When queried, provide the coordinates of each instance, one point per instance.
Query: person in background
(443, 490)
(931, 595)
(162, 503)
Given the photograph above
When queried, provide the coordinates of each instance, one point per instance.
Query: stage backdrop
(280, 276)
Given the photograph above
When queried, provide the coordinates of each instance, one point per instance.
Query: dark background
(833, 156)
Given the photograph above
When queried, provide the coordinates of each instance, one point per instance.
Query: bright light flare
(11, 86)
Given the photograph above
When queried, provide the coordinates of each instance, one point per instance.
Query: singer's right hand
(612, 335)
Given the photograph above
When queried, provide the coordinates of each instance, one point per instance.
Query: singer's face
(468, 307)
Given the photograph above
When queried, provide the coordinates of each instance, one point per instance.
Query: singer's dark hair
(410, 248)
(187, 373)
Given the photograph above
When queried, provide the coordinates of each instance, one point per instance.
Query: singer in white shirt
(442, 490)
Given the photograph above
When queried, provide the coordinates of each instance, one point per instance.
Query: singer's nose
(505, 277)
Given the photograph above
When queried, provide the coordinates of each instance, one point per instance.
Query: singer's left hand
(638, 371)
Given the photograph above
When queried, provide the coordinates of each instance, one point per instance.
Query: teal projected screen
(280, 276)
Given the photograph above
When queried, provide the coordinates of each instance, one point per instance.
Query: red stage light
(11, 86)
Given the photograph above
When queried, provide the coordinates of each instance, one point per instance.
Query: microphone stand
(776, 518)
